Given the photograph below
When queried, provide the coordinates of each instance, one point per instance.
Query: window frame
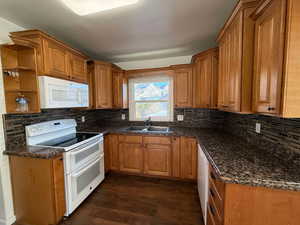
(148, 79)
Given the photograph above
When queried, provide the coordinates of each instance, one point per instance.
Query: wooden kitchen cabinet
(157, 156)
(131, 157)
(37, 181)
(78, 68)
(276, 59)
(230, 204)
(188, 158)
(20, 58)
(172, 157)
(55, 58)
(111, 146)
(102, 84)
(183, 86)
(120, 84)
(205, 79)
(236, 59)
(108, 86)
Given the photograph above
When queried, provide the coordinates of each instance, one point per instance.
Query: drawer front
(131, 139)
(157, 140)
(210, 218)
(216, 215)
(219, 185)
(216, 198)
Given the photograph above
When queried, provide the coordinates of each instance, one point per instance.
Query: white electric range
(83, 156)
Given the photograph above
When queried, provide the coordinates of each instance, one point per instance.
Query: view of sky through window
(152, 99)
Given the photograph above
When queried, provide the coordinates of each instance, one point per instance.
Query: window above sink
(151, 97)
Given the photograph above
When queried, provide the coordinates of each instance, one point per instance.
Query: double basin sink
(149, 129)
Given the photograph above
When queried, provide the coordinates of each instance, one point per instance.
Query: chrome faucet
(148, 122)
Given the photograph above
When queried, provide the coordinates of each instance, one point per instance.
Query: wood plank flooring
(133, 200)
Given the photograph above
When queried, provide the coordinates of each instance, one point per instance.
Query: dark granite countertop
(233, 158)
(35, 152)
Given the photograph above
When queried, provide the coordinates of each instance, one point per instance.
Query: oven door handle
(85, 148)
(85, 169)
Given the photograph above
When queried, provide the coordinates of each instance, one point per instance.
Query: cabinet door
(214, 81)
(222, 73)
(176, 157)
(103, 86)
(113, 152)
(188, 153)
(117, 77)
(131, 157)
(183, 90)
(205, 81)
(56, 60)
(235, 64)
(59, 188)
(107, 147)
(78, 68)
(268, 60)
(157, 160)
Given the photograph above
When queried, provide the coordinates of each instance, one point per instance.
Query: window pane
(151, 91)
(152, 109)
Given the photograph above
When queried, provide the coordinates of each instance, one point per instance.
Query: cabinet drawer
(157, 140)
(216, 198)
(218, 184)
(216, 215)
(131, 139)
(210, 218)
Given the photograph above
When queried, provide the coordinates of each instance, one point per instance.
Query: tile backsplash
(15, 124)
(280, 136)
(200, 118)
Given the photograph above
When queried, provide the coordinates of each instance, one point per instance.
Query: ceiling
(148, 30)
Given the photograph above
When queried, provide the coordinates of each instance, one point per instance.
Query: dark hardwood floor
(132, 200)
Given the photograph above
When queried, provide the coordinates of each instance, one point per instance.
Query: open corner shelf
(23, 82)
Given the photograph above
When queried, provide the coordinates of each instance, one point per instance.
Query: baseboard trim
(9, 221)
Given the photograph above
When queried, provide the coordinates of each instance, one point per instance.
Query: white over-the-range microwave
(59, 93)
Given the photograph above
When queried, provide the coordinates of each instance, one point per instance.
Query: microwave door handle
(85, 169)
(85, 148)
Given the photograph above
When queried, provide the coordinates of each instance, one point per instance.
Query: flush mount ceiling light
(85, 7)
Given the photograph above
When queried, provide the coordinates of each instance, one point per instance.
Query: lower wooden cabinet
(188, 157)
(131, 157)
(38, 190)
(152, 155)
(236, 204)
(157, 159)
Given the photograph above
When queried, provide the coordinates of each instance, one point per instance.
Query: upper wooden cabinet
(236, 59)
(54, 58)
(183, 86)
(108, 86)
(205, 79)
(78, 68)
(120, 85)
(103, 85)
(276, 62)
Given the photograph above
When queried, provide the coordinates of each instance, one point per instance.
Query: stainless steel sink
(149, 129)
(158, 129)
(137, 128)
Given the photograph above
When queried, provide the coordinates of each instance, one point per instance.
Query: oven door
(78, 157)
(81, 183)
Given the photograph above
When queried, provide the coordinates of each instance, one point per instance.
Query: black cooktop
(68, 140)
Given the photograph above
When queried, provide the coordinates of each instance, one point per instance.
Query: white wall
(154, 63)
(7, 216)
